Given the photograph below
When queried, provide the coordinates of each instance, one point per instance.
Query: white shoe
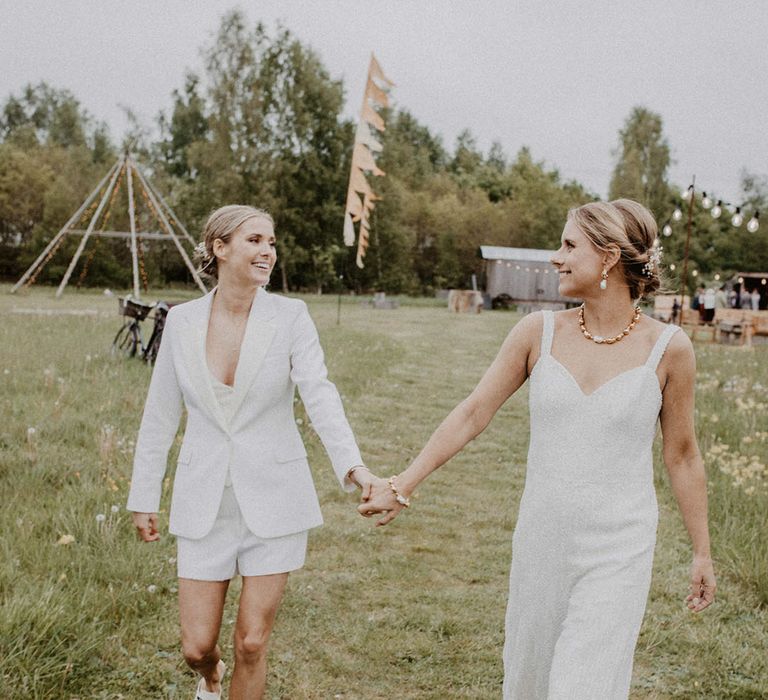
(202, 694)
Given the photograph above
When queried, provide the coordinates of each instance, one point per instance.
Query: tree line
(262, 124)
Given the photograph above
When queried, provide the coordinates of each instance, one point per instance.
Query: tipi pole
(90, 228)
(171, 212)
(132, 219)
(75, 217)
(171, 232)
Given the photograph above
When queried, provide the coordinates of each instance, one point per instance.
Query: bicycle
(128, 341)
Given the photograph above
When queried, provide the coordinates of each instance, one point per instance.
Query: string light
(706, 202)
(677, 214)
(667, 229)
(753, 224)
(717, 209)
(738, 218)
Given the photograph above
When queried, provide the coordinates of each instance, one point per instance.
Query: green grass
(414, 610)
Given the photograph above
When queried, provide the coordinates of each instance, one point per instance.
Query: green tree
(642, 162)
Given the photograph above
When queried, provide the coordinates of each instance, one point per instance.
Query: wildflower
(87, 358)
(6, 371)
(152, 588)
(100, 517)
(115, 509)
(66, 539)
(299, 421)
(31, 433)
(171, 560)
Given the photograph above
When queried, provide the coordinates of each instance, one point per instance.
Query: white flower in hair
(654, 259)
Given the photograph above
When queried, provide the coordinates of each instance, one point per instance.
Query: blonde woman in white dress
(601, 376)
(243, 498)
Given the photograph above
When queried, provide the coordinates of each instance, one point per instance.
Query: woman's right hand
(146, 526)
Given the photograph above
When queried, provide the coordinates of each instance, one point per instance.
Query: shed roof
(495, 252)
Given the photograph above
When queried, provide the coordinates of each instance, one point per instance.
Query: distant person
(700, 291)
(755, 298)
(709, 305)
(676, 306)
(745, 298)
(721, 298)
(600, 378)
(243, 499)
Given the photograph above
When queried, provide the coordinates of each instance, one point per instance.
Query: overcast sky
(558, 76)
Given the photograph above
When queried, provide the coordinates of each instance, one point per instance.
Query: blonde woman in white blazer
(243, 496)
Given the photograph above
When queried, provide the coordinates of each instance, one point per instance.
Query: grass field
(414, 610)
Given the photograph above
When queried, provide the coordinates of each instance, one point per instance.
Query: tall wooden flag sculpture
(361, 199)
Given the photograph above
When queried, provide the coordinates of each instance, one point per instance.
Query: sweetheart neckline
(604, 384)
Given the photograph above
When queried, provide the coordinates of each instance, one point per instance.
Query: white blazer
(261, 447)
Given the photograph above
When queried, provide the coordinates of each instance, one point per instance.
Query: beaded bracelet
(402, 500)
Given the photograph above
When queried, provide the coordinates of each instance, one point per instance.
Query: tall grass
(414, 610)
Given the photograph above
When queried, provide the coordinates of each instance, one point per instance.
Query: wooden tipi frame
(125, 166)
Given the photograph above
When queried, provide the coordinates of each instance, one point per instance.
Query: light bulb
(753, 224)
(667, 230)
(706, 202)
(695, 273)
(717, 209)
(672, 267)
(737, 219)
(686, 194)
(677, 214)
(717, 276)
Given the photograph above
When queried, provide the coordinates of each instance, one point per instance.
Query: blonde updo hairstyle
(222, 224)
(630, 227)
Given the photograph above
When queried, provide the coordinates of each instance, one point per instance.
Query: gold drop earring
(604, 280)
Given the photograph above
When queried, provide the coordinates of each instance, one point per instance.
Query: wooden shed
(524, 275)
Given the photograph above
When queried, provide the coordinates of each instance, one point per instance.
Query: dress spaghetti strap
(661, 345)
(547, 332)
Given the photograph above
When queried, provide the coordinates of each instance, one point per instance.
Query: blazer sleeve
(321, 399)
(162, 413)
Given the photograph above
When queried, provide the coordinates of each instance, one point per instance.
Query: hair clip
(654, 261)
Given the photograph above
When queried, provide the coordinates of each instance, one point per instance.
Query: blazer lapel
(259, 332)
(193, 347)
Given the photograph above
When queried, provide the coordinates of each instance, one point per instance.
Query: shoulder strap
(547, 332)
(661, 345)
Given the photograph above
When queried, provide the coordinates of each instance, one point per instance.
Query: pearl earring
(604, 280)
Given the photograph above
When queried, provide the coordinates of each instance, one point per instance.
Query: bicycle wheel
(126, 341)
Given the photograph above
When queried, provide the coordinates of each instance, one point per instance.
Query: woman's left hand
(702, 586)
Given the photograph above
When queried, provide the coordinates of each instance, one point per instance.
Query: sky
(558, 76)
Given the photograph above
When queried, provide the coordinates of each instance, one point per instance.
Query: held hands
(377, 496)
(702, 586)
(146, 526)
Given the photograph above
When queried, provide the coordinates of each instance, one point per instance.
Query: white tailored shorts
(231, 548)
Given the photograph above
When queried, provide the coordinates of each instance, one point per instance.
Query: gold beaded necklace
(608, 341)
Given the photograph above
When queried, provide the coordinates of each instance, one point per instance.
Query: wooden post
(132, 219)
(75, 218)
(171, 232)
(684, 280)
(90, 228)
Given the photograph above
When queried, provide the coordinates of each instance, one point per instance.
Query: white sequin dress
(583, 545)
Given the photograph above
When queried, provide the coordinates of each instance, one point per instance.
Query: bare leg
(201, 605)
(259, 601)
